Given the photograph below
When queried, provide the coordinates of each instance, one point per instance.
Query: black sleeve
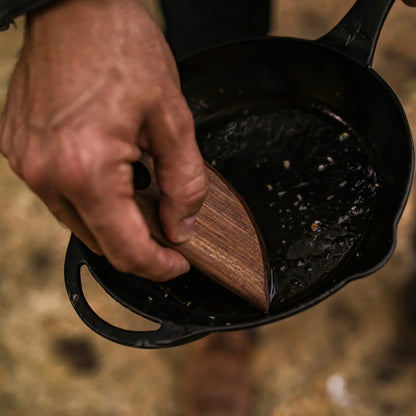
(10, 9)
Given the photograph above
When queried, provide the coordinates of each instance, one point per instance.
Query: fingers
(101, 192)
(121, 232)
(66, 214)
(179, 167)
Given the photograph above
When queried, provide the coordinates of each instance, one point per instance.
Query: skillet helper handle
(356, 35)
(168, 335)
(226, 244)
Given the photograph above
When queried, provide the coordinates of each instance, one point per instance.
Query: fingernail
(185, 228)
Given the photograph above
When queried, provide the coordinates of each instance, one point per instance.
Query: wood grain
(226, 244)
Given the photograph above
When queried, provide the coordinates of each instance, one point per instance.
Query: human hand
(96, 85)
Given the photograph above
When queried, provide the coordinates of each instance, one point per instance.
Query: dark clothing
(192, 25)
(10, 9)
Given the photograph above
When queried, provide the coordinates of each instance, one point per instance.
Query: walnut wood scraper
(226, 244)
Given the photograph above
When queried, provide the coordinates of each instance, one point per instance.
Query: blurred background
(353, 354)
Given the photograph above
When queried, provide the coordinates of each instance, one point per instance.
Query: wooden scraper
(226, 244)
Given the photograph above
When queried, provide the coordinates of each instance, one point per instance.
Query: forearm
(10, 9)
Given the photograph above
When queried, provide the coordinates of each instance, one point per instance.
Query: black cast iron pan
(318, 145)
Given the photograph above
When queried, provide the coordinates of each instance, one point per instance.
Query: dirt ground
(352, 355)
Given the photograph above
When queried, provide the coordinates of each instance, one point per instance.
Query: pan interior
(309, 180)
(311, 184)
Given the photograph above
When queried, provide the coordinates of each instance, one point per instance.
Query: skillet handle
(168, 335)
(356, 35)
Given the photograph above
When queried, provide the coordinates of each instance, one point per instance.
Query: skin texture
(95, 85)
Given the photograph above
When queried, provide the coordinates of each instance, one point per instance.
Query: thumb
(182, 195)
(179, 169)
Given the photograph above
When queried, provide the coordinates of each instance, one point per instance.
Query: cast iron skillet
(318, 145)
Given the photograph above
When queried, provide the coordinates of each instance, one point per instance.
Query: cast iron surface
(319, 147)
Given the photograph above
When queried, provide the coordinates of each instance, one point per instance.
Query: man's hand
(96, 85)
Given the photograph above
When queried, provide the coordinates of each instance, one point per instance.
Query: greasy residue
(309, 180)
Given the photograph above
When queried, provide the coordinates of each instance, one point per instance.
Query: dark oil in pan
(311, 185)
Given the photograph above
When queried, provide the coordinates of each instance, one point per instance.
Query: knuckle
(33, 171)
(126, 260)
(176, 116)
(123, 264)
(127, 264)
(28, 161)
(141, 264)
(71, 173)
(179, 119)
(185, 122)
(158, 98)
(192, 193)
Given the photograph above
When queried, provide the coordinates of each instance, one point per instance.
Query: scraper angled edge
(226, 244)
